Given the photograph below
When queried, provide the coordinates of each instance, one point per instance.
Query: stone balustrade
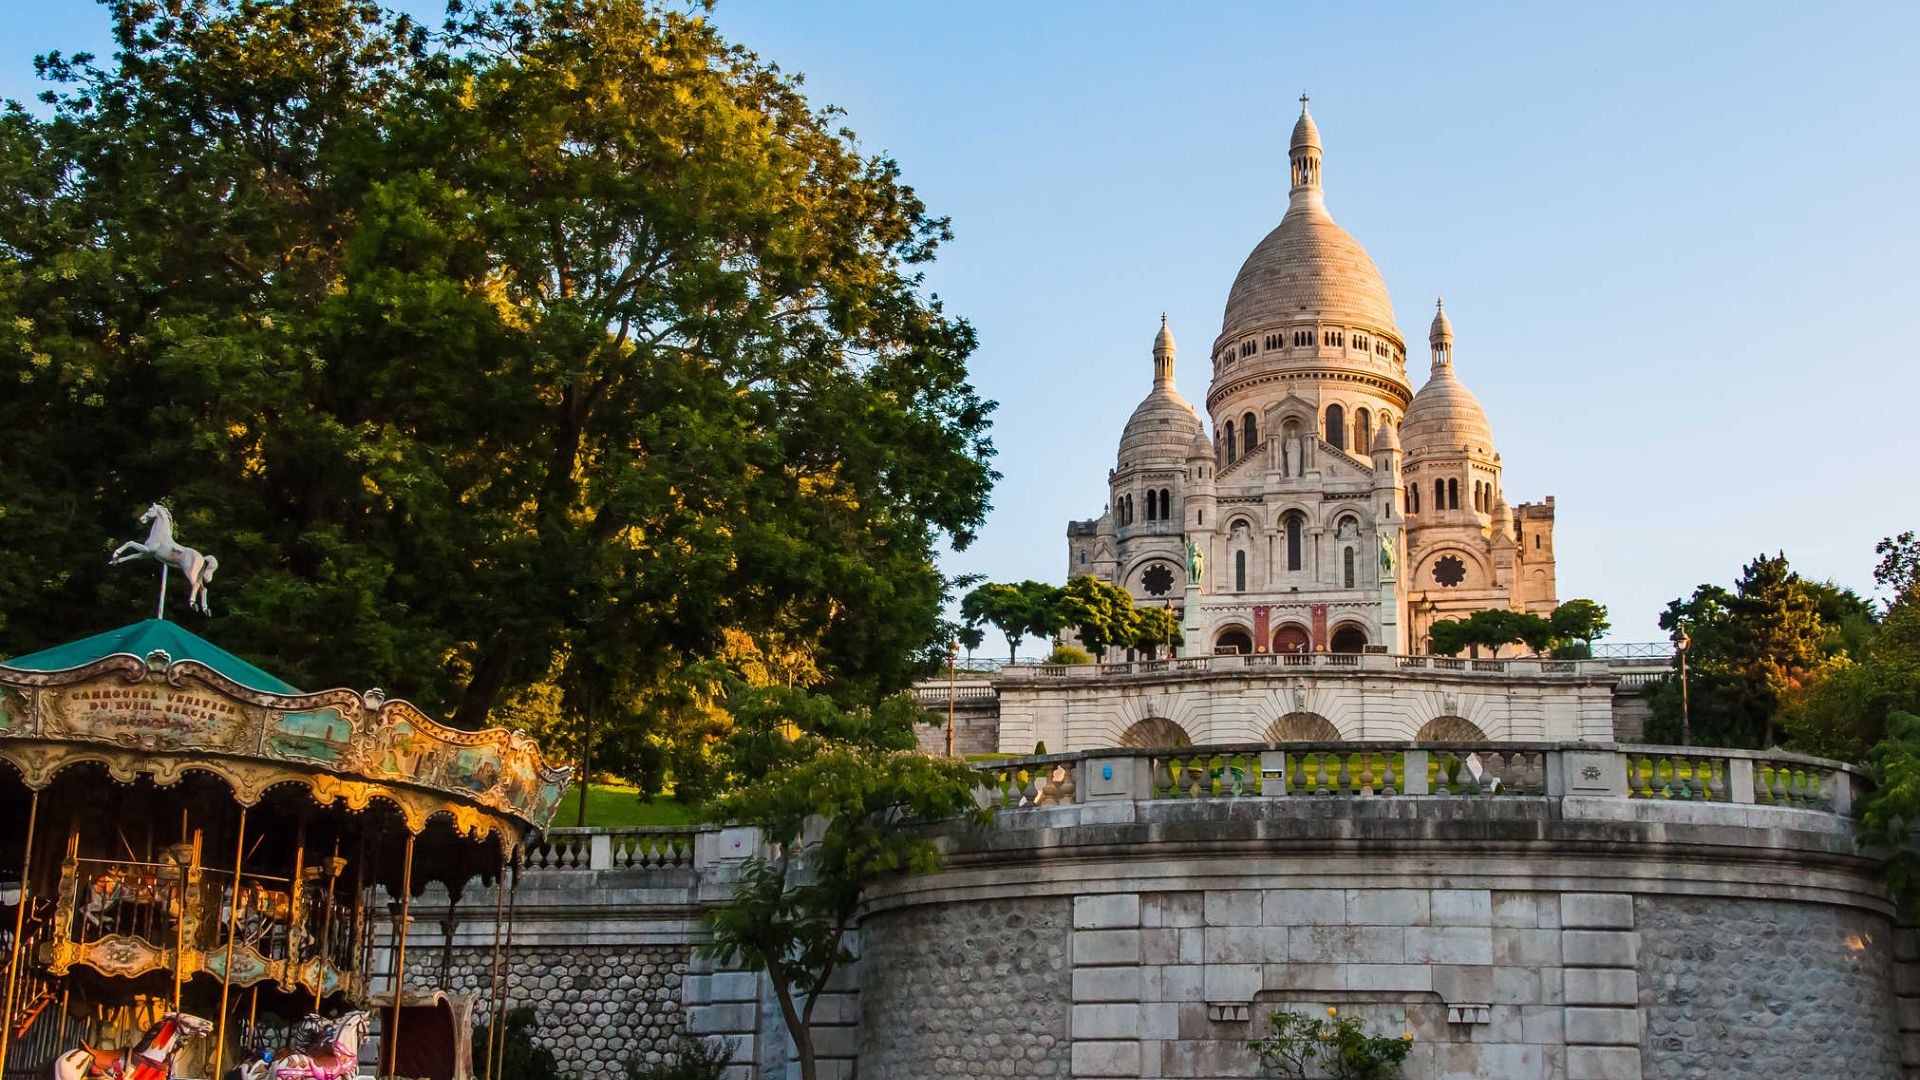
(1298, 663)
(1399, 769)
(622, 848)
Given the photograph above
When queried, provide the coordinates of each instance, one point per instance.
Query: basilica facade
(1320, 504)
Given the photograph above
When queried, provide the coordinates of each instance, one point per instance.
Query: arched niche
(1348, 638)
(1302, 727)
(1154, 733)
(1233, 639)
(1450, 729)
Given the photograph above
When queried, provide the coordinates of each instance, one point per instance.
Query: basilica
(1332, 508)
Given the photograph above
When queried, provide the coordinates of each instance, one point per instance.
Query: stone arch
(1292, 637)
(1450, 729)
(1302, 727)
(1155, 732)
(1348, 637)
(1235, 637)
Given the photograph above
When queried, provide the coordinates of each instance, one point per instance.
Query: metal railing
(1633, 650)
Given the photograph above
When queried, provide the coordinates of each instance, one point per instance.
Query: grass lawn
(617, 804)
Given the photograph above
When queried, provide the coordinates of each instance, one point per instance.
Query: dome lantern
(1440, 336)
(1304, 153)
(1163, 353)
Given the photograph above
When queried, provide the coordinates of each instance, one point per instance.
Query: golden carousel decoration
(189, 836)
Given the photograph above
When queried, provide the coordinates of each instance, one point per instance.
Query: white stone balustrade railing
(1390, 769)
(623, 848)
(1293, 663)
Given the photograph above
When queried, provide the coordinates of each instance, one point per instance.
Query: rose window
(1448, 570)
(1157, 579)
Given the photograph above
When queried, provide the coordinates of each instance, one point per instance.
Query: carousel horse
(323, 1049)
(149, 1059)
(160, 546)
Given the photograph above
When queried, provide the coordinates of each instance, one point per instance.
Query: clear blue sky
(1679, 243)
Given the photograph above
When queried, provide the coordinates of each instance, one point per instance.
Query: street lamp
(1427, 608)
(953, 659)
(1686, 718)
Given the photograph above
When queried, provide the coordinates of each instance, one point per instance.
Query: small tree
(1158, 627)
(1334, 1047)
(1003, 607)
(1102, 614)
(1579, 620)
(790, 914)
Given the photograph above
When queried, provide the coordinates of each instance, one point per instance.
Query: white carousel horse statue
(323, 1049)
(160, 546)
(149, 1059)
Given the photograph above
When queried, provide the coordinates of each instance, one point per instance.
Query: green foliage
(1844, 708)
(1068, 654)
(1898, 573)
(520, 1058)
(1156, 628)
(789, 914)
(1891, 811)
(1491, 628)
(1579, 620)
(1040, 748)
(692, 1058)
(1102, 615)
(1030, 607)
(1332, 1046)
(1751, 650)
(515, 367)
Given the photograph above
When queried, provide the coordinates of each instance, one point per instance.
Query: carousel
(207, 872)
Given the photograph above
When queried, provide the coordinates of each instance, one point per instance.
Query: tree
(543, 353)
(1490, 628)
(1579, 620)
(1749, 650)
(1101, 614)
(1845, 709)
(1156, 628)
(790, 914)
(1899, 570)
(1005, 608)
(1891, 811)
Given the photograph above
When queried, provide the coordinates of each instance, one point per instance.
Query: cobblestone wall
(596, 1007)
(968, 990)
(1732, 989)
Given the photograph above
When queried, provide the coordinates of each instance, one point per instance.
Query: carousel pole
(296, 902)
(506, 965)
(493, 982)
(233, 929)
(19, 928)
(180, 920)
(400, 959)
(326, 923)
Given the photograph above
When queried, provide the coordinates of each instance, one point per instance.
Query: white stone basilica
(1332, 509)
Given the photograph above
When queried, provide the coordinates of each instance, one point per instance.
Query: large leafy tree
(1846, 709)
(1491, 628)
(516, 365)
(1749, 648)
(1101, 614)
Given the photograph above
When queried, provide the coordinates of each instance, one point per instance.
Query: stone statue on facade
(1386, 556)
(160, 546)
(1196, 564)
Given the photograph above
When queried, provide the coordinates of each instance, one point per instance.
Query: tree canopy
(546, 362)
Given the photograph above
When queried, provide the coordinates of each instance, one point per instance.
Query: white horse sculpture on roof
(160, 546)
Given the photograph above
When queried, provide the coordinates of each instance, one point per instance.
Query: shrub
(1333, 1048)
(1067, 654)
(520, 1059)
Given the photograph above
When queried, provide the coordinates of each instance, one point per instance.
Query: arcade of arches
(1290, 638)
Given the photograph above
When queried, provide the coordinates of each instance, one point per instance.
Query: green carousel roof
(143, 638)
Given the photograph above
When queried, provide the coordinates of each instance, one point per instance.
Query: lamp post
(953, 659)
(1686, 713)
(1429, 609)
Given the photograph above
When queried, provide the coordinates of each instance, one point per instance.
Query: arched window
(1239, 571)
(1347, 558)
(1453, 494)
(1166, 505)
(1233, 449)
(1413, 498)
(1199, 517)
(1249, 433)
(1295, 525)
(1439, 494)
(1337, 427)
(1362, 431)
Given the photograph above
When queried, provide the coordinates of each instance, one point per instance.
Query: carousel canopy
(144, 639)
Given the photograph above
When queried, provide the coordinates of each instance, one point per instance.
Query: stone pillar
(1600, 951)
(1106, 986)
(1906, 997)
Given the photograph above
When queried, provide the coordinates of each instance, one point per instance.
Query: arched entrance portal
(1233, 639)
(1450, 729)
(1302, 727)
(1155, 732)
(1291, 638)
(1348, 638)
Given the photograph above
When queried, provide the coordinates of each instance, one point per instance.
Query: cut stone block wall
(969, 989)
(1733, 989)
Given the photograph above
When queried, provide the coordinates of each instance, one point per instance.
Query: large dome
(1307, 267)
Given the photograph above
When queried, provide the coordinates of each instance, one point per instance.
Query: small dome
(1441, 332)
(1445, 416)
(1201, 447)
(1161, 430)
(1385, 439)
(1163, 341)
(1306, 133)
